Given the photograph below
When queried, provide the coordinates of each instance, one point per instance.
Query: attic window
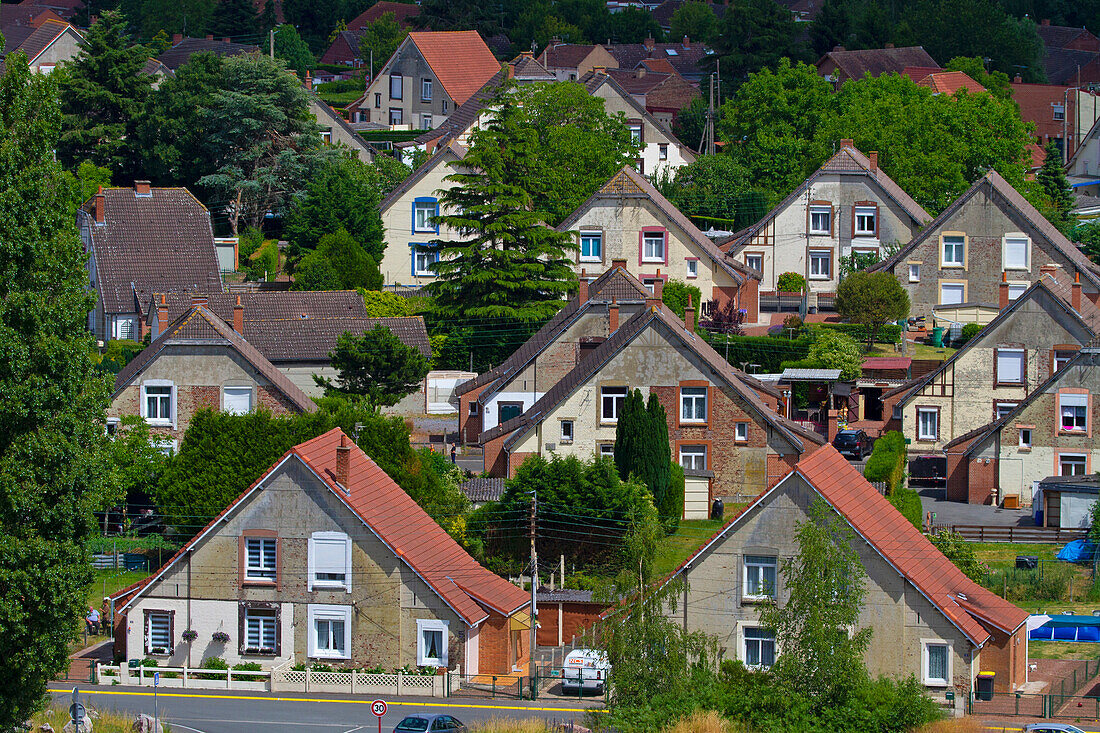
(671, 52)
(304, 316)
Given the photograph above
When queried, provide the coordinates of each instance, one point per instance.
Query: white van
(585, 670)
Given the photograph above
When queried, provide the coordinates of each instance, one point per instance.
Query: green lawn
(688, 537)
(1003, 554)
(1062, 650)
(919, 351)
(107, 582)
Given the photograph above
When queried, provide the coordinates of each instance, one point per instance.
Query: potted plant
(220, 637)
(189, 635)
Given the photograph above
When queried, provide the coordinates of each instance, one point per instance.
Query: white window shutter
(237, 400)
(1074, 400)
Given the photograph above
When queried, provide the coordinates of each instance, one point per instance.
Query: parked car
(584, 670)
(853, 443)
(1051, 728)
(429, 723)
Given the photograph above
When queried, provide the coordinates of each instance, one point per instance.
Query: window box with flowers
(220, 637)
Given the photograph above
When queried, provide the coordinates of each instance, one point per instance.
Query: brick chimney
(1075, 292)
(142, 188)
(689, 316)
(888, 45)
(1048, 269)
(343, 461)
(847, 143)
(599, 70)
(1017, 79)
(100, 207)
(210, 37)
(613, 317)
(197, 300)
(1045, 21)
(176, 38)
(582, 287)
(649, 43)
(309, 80)
(162, 314)
(686, 42)
(838, 48)
(238, 317)
(658, 286)
(1004, 290)
(618, 263)
(873, 155)
(831, 430)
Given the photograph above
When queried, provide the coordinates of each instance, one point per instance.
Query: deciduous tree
(752, 35)
(376, 365)
(291, 48)
(835, 350)
(380, 39)
(693, 19)
(873, 299)
(343, 194)
(348, 261)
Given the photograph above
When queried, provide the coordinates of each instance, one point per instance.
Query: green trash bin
(937, 336)
(983, 689)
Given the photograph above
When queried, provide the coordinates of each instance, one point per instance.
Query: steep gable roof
(299, 325)
(686, 58)
(796, 435)
(629, 184)
(968, 606)
(878, 61)
(460, 60)
(592, 82)
(201, 325)
(949, 82)
(465, 115)
(526, 68)
(392, 516)
(615, 284)
(1088, 317)
(846, 161)
(180, 53)
(565, 55)
(403, 14)
(444, 154)
(999, 188)
(41, 37)
(162, 242)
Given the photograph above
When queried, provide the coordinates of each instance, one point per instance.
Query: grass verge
(673, 549)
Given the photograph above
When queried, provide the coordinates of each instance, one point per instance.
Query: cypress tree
(656, 458)
(628, 433)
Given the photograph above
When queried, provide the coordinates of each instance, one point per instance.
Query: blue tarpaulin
(1066, 628)
(1076, 551)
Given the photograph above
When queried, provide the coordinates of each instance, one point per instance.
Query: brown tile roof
(180, 53)
(847, 160)
(526, 68)
(392, 515)
(160, 243)
(296, 325)
(201, 325)
(403, 14)
(996, 186)
(460, 60)
(565, 55)
(464, 116)
(1061, 64)
(31, 13)
(1060, 36)
(40, 39)
(796, 435)
(688, 59)
(628, 183)
(615, 284)
(949, 82)
(878, 61)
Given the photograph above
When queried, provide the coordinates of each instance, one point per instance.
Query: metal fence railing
(1061, 701)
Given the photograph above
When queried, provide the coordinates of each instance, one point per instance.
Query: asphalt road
(211, 711)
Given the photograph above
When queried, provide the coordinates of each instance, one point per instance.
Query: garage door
(696, 497)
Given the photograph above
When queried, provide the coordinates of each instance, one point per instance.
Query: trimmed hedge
(887, 462)
(767, 351)
(887, 334)
(908, 503)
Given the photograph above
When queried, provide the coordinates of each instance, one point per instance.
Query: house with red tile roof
(428, 77)
(46, 44)
(344, 48)
(200, 362)
(947, 82)
(1062, 114)
(723, 425)
(840, 65)
(927, 618)
(325, 559)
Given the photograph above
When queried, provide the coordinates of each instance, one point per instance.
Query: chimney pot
(238, 317)
(343, 462)
(1075, 291)
(162, 315)
(613, 317)
(874, 159)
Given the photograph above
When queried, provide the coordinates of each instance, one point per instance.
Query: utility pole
(710, 119)
(534, 585)
(271, 42)
(1065, 125)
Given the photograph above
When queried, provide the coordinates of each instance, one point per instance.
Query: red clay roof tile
(460, 60)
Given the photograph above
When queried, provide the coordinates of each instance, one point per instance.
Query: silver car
(1051, 728)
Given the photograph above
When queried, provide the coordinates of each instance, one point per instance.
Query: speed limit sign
(378, 707)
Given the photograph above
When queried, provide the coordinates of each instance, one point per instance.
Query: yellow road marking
(307, 699)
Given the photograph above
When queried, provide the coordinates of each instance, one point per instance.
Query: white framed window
(821, 219)
(158, 401)
(1017, 253)
(954, 251)
(662, 151)
(1073, 412)
(636, 135)
(692, 268)
(237, 400)
(167, 447)
(952, 293)
(693, 457)
(1025, 438)
(758, 648)
(425, 90)
(821, 265)
(591, 246)
(936, 666)
(755, 261)
(445, 106)
(1072, 464)
(330, 561)
(158, 632)
(1063, 357)
(329, 631)
(395, 86)
(1058, 112)
(693, 404)
(865, 221)
(760, 576)
(125, 327)
(423, 259)
(425, 121)
(378, 100)
(607, 450)
(1015, 290)
(326, 137)
(611, 403)
(741, 432)
(395, 115)
(1003, 408)
(566, 431)
(1010, 366)
(914, 272)
(260, 558)
(928, 423)
(653, 247)
(424, 213)
(473, 409)
(260, 631)
(431, 643)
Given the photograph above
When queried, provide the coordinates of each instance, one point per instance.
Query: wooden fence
(1032, 535)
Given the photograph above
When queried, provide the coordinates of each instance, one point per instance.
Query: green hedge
(768, 351)
(887, 462)
(393, 136)
(887, 334)
(908, 503)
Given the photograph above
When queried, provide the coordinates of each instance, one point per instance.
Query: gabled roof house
(325, 559)
(928, 619)
(183, 48)
(840, 65)
(51, 43)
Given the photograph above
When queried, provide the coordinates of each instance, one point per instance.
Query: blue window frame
(425, 209)
(422, 259)
(591, 246)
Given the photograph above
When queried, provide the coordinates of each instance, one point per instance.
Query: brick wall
(1005, 655)
(575, 618)
(514, 461)
(469, 426)
(779, 466)
(496, 460)
(748, 295)
(981, 480)
(494, 639)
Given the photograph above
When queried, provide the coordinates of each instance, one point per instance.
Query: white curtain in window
(937, 662)
(238, 400)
